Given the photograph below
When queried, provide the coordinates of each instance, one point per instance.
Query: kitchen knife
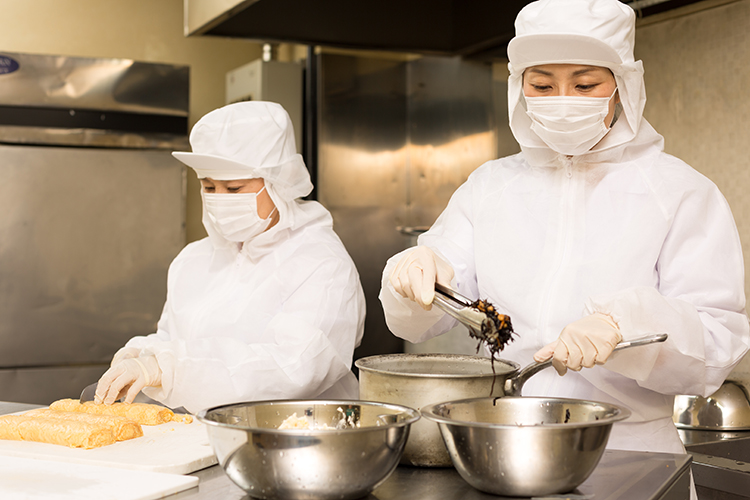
(88, 393)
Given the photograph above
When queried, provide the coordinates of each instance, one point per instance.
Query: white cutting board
(28, 479)
(174, 447)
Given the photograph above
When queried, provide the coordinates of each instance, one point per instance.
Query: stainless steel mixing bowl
(298, 464)
(726, 409)
(519, 446)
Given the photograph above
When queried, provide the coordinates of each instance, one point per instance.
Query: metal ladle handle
(514, 385)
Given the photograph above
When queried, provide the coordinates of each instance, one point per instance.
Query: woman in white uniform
(592, 234)
(269, 305)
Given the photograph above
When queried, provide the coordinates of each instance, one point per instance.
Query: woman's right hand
(126, 378)
(415, 275)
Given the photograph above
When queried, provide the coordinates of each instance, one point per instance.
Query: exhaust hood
(470, 28)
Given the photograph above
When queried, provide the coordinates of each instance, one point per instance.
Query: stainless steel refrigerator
(92, 211)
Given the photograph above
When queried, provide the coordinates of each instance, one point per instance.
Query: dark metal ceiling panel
(372, 24)
(479, 29)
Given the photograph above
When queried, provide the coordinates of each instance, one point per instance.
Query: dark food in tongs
(496, 332)
(484, 322)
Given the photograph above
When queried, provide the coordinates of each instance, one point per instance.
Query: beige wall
(145, 30)
(697, 68)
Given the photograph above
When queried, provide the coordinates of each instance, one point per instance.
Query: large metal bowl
(516, 446)
(726, 409)
(300, 464)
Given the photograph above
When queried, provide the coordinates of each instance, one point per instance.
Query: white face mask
(570, 125)
(235, 215)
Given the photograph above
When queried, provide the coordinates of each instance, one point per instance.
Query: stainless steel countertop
(721, 461)
(620, 474)
(691, 437)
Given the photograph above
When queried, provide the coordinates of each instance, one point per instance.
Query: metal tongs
(460, 307)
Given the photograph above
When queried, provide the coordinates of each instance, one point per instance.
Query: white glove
(415, 275)
(125, 353)
(583, 343)
(127, 378)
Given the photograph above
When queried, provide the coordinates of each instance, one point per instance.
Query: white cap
(587, 32)
(249, 140)
(593, 32)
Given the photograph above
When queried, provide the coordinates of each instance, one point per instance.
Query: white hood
(590, 32)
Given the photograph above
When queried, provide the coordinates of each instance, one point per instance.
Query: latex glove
(583, 343)
(127, 378)
(125, 353)
(415, 275)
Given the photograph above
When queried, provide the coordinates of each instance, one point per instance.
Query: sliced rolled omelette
(123, 427)
(143, 413)
(72, 433)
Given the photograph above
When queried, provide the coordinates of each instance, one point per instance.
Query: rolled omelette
(54, 431)
(143, 413)
(123, 428)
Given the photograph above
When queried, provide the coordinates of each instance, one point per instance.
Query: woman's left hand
(583, 343)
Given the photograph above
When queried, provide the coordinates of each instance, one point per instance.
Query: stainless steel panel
(86, 236)
(362, 171)
(103, 84)
(83, 101)
(396, 138)
(451, 130)
(91, 138)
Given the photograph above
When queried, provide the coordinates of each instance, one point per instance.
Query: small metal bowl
(301, 464)
(519, 446)
(726, 409)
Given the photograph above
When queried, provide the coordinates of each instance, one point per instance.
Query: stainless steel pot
(525, 446)
(417, 380)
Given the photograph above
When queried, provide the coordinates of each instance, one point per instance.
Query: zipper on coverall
(563, 246)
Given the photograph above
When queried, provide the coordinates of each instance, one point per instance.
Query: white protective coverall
(625, 230)
(275, 317)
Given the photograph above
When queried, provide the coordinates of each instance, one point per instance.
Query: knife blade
(88, 393)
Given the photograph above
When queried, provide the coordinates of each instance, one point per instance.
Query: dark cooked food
(496, 332)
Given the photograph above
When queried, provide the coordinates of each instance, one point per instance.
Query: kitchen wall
(144, 30)
(696, 70)
(695, 61)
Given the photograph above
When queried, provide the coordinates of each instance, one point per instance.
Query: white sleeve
(451, 238)
(699, 303)
(309, 347)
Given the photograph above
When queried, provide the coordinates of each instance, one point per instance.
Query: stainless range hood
(476, 28)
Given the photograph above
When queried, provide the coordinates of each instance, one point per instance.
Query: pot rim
(411, 415)
(428, 412)
(364, 365)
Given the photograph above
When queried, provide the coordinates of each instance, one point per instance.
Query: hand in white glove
(583, 343)
(415, 275)
(127, 378)
(125, 353)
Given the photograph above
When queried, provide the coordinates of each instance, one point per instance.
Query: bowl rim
(362, 364)
(413, 416)
(428, 413)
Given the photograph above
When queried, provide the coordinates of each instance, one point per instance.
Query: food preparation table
(621, 475)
